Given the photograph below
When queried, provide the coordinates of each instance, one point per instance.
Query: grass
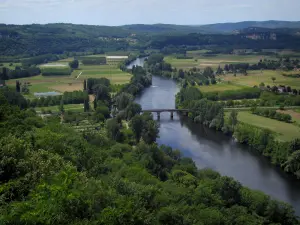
(284, 131)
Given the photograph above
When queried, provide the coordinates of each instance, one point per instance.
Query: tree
(273, 79)
(123, 100)
(61, 106)
(4, 75)
(150, 132)
(84, 85)
(233, 120)
(113, 129)
(132, 109)
(295, 92)
(86, 105)
(74, 64)
(137, 126)
(18, 86)
(226, 67)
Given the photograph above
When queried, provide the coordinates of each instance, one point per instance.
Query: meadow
(284, 131)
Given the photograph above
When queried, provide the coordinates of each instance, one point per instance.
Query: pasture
(284, 131)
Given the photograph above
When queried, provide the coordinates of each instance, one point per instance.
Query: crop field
(284, 131)
(256, 77)
(200, 61)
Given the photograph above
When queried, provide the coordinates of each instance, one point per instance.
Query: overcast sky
(119, 12)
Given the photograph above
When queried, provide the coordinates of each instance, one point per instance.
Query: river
(211, 149)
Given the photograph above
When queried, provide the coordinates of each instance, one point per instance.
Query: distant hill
(210, 28)
(230, 27)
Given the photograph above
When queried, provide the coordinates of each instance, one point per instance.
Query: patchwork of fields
(74, 81)
(200, 61)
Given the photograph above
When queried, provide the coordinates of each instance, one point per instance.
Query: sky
(120, 12)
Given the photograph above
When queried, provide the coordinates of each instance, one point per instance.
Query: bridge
(159, 111)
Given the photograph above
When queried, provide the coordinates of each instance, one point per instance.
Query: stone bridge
(171, 111)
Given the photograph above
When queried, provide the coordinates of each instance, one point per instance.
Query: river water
(211, 149)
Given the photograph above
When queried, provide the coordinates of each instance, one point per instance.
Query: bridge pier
(172, 115)
(158, 115)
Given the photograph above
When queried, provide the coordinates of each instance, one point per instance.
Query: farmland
(74, 81)
(201, 61)
(284, 131)
(256, 77)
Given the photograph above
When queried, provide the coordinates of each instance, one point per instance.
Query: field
(75, 80)
(230, 82)
(256, 77)
(200, 61)
(284, 131)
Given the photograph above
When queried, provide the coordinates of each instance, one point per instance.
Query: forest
(35, 40)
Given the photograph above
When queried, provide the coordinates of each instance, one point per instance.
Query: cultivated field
(200, 61)
(75, 80)
(284, 131)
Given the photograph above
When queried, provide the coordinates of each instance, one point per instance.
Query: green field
(200, 61)
(284, 131)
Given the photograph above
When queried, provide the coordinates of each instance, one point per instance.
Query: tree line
(273, 114)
